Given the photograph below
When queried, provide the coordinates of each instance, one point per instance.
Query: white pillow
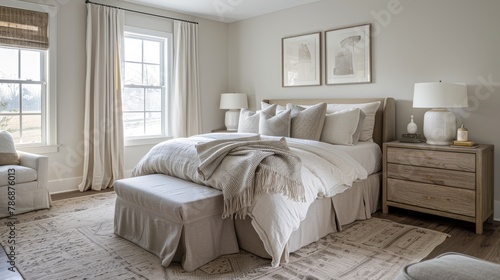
(249, 120)
(278, 125)
(8, 153)
(307, 123)
(279, 108)
(343, 128)
(370, 109)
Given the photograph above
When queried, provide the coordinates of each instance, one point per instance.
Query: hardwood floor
(462, 235)
(463, 238)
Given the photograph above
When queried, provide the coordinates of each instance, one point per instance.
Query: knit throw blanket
(245, 167)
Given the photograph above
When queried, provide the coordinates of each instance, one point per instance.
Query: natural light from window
(22, 94)
(144, 97)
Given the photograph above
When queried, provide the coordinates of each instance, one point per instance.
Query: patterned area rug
(75, 240)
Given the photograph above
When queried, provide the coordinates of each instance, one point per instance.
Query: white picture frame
(348, 55)
(301, 60)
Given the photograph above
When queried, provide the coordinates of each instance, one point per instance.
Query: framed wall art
(348, 55)
(301, 60)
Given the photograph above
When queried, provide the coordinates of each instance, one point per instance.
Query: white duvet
(325, 172)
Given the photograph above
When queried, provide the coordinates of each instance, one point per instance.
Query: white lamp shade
(440, 123)
(440, 95)
(233, 101)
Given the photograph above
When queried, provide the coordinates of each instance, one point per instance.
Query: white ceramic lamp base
(439, 127)
(231, 119)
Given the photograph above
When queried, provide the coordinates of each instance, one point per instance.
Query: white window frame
(49, 108)
(167, 81)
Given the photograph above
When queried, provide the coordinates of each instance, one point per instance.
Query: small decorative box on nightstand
(453, 182)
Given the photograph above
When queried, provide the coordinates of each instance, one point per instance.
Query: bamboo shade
(24, 28)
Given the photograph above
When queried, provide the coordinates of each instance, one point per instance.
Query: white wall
(66, 165)
(413, 41)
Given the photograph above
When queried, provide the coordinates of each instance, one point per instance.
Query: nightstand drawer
(434, 159)
(446, 199)
(452, 178)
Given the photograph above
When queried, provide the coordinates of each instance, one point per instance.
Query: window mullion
(20, 87)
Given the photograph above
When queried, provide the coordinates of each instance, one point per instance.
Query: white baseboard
(64, 185)
(71, 184)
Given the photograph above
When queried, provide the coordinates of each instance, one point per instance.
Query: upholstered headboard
(385, 122)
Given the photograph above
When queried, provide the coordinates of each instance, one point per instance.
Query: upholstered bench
(174, 219)
(451, 266)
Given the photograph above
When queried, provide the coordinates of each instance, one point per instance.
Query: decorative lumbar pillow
(278, 125)
(249, 120)
(343, 128)
(370, 109)
(307, 123)
(8, 153)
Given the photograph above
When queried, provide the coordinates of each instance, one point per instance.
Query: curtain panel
(186, 116)
(103, 128)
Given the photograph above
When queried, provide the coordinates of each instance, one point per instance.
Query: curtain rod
(144, 13)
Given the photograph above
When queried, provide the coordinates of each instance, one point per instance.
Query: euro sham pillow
(249, 120)
(307, 123)
(278, 125)
(343, 128)
(369, 109)
(8, 153)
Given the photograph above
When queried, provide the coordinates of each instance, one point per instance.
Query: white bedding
(368, 154)
(325, 171)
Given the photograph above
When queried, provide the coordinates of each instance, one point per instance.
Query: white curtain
(186, 102)
(103, 158)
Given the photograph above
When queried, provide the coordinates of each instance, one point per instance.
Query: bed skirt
(325, 215)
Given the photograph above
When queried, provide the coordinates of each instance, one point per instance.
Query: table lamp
(233, 102)
(439, 123)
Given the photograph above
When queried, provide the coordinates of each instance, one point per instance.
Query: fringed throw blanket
(245, 167)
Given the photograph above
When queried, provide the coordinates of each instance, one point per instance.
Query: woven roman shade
(24, 28)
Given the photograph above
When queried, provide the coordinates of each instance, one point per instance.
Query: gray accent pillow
(278, 125)
(249, 120)
(343, 128)
(307, 123)
(8, 153)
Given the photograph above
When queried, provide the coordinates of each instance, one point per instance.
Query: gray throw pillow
(307, 123)
(278, 125)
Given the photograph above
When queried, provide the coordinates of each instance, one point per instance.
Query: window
(22, 94)
(27, 75)
(145, 95)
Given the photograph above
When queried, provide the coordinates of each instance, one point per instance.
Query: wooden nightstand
(454, 182)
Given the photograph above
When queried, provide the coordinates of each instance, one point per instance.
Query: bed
(270, 237)
(327, 215)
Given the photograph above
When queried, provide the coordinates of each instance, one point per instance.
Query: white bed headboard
(385, 118)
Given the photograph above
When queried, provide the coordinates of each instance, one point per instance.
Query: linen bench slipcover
(174, 219)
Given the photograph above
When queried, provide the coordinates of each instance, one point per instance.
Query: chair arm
(39, 163)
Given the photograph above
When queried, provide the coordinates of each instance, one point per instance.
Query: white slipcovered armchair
(30, 179)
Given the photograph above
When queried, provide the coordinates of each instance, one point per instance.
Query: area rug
(74, 240)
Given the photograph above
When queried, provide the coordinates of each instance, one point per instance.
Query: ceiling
(223, 10)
